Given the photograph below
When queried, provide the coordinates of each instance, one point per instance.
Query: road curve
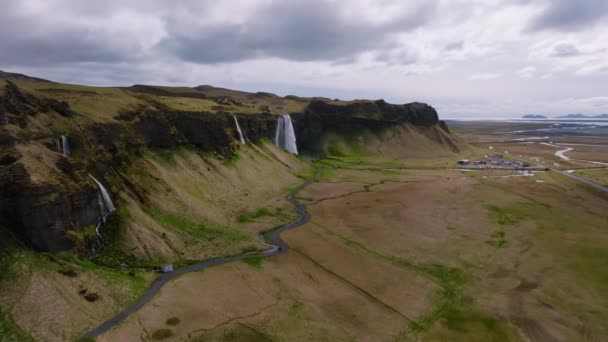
(277, 245)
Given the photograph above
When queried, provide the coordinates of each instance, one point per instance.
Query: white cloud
(527, 72)
(486, 76)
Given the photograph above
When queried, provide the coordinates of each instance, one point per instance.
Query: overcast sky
(468, 58)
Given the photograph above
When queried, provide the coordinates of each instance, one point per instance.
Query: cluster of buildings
(496, 161)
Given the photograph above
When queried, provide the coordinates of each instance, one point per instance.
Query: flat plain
(399, 252)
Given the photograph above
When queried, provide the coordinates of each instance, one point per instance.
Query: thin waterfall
(105, 202)
(63, 145)
(285, 136)
(238, 129)
(66, 145)
(106, 207)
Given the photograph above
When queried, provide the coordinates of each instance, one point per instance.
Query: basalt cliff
(48, 198)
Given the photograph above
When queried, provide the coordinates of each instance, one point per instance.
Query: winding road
(277, 245)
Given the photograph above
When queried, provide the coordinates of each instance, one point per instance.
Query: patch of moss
(233, 159)
(10, 331)
(327, 173)
(334, 149)
(498, 240)
(199, 230)
(86, 339)
(472, 326)
(253, 216)
(295, 309)
(264, 141)
(254, 261)
(114, 254)
(173, 321)
(162, 334)
(262, 212)
(7, 271)
(505, 216)
(589, 263)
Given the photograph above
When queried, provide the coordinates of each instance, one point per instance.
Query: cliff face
(321, 117)
(44, 195)
(43, 211)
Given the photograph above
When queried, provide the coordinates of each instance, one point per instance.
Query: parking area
(497, 162)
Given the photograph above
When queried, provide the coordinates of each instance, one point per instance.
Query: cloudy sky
(468, 58)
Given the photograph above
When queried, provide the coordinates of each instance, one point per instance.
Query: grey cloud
(565, 50)
(30, 40)
(566, 15)
(397, 57)
(455, 46)
(294, 30)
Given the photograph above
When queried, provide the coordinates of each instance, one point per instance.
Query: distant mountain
(583, 116)
(534, 116)
(573, 116)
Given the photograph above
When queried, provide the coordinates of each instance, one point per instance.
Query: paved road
(581, 179)
(277, 245)
(561, 155)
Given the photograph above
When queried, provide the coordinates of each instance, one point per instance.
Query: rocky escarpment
(44, 195)
(321, 117)
(43, 212)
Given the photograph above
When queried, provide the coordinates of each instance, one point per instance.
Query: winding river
(276, 244)
(561, 154)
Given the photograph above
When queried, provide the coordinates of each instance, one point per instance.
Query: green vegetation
(114, 254)
(588, 261)
(86, 339)
(253, 216)
(199, 230)
(498, 240)
(10, 331)
(97, 103)
(80, 238)
(582, 254)
(173, 321)
(162, 334)
(262, 212)
(240, 333)
(6, 268)
(136, 283)
(449, 300)
(505, 216)
(254, 261)
(473, 326)
(234, 158)
(327, 173)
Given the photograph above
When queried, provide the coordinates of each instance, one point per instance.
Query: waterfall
(63, 145)
(66, 145)
(238, 128)
(105, 202)
(106, 207)
(285, 137)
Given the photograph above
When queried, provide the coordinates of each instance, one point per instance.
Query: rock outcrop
(43, 212)
(321, 117)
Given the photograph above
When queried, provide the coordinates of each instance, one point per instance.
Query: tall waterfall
(106, 207)
(285, 137)
(63, 145)
(105, 202)
(238, 128)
